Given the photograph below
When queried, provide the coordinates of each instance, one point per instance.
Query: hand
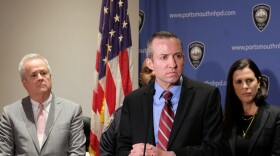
(138, 150)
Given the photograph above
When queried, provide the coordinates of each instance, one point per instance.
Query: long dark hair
(233, 106)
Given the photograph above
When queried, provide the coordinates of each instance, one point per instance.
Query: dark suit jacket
(64, 133)
(108, 139)
(197, 127)
(265, 141)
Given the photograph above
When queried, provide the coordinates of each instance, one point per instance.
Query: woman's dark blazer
(265, 141)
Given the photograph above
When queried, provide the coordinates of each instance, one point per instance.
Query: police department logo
(196, 53)
(141, 19)
(108, 123)
(266, 81)
(261, 15)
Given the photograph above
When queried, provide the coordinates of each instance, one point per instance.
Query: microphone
(153, 91)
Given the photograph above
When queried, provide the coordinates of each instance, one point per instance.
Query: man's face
(37, 78)
(147, 75)
(167, 62)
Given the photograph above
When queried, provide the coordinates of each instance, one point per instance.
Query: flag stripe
(124, 68)
(110, 92)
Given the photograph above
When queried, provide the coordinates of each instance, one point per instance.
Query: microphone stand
(147, 130)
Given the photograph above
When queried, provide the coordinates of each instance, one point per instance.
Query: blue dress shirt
(159, 103)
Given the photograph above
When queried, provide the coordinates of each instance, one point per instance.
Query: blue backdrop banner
(216, 33)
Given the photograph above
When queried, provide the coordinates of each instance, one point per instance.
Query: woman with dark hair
(251, 126)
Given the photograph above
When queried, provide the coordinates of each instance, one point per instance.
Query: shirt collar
(45, 103)
(175, 90)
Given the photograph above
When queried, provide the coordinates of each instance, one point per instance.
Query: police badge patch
(261, 16)
(141, 19)
(108, 123)
(266, 81)
(196, 53)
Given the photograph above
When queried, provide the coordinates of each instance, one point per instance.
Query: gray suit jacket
(64, 133)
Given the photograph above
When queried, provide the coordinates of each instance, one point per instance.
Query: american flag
(113, 69)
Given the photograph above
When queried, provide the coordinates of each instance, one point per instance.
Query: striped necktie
(165, 122)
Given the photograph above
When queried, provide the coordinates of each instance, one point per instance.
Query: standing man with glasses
(175, 115)
(41, 123)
